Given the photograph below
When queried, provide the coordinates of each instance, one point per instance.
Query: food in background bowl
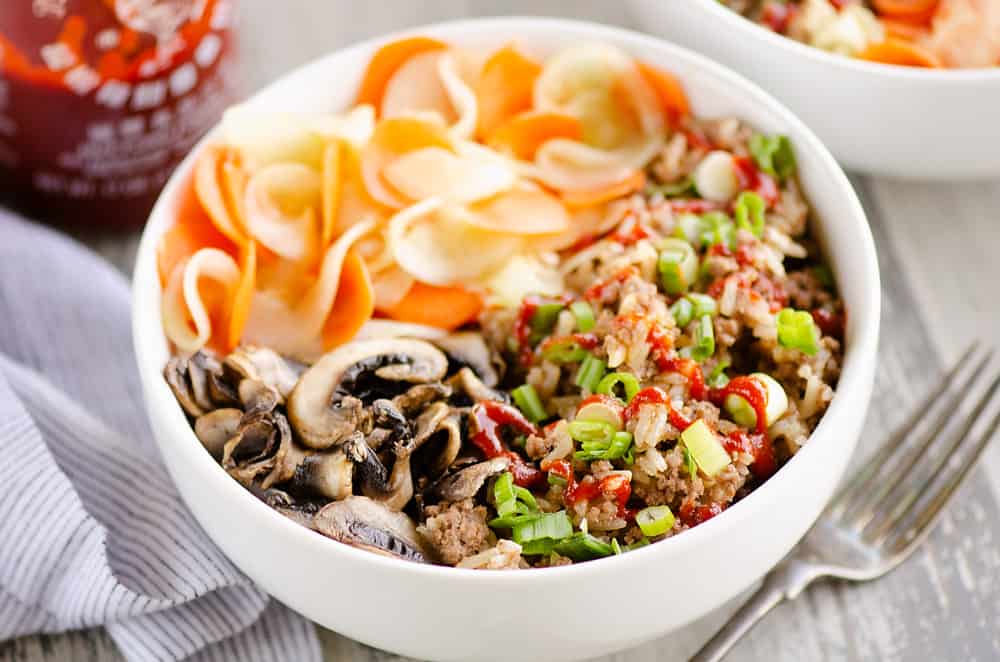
(503, 312)
(918, 33)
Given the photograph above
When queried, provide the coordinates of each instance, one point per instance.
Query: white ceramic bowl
(876, 118)
(560, 613)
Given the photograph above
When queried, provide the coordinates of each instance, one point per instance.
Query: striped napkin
(92, 532)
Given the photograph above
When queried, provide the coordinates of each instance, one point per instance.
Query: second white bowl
(875, 118)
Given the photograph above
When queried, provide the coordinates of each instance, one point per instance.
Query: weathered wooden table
(937, 244)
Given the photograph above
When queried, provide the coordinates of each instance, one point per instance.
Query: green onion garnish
(544, 319)
(773, 154)
(689, 463)
(718, 378)
(583, 547)
(689, 228)
(584, 315)
(702, 305)
(527, 400)
(564, 350)
(557, 480)
(590, 373)
(616, 547)
(749, 212)
(797, 330)
(655, 520)
(591, 431)
(642, 542)
(718, 228)
(619, 445)
(683, 312)
(552, 526)
(704, 339)
(503, 494)
(678, 265)
(630, 385)
(515, 505)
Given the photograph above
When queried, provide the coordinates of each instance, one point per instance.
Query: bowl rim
(943, 76)
(861, 349)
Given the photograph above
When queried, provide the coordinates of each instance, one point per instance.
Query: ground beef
(456, 530)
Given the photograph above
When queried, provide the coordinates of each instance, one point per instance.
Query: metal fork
(887, 509)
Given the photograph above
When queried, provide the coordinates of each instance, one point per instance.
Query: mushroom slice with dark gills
(466, 383)
(326, 405)
(298, 510)
(468, 349)
(265, 366)
(217, 427)
(198, 383)
(466, 483)
(253, 450)
(367, 524)
(417, 397)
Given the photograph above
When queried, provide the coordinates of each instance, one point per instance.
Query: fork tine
(916, 489)
(852, 496)
(881, 497)
(924, 522)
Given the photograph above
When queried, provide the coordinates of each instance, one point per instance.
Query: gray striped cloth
(92, 532)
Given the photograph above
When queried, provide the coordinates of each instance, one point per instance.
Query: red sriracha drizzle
(751, 390)
(522, 325)
(583, 340)
(693, 515)
(690, 369)
(599, 290)
(829, 322)
(778, 15)
(694, 206)
(752, 179)
(490, 416)
(758, 446)
(617, 486)
(655, 396)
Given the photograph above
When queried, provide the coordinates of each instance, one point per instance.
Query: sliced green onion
(584, 315)
(678, 265)
(615, 547)
(773, 154)
(702, 304)
(718, 228)
(704, 339)
(617, 446)
(554, 526)
(655, 520)
(526, 497)
(717, 378)
(540, 547)
(689, 228)
(749, 212)
(545, 317)
(642, 542)
(503, 494)
(683, 312)
(591, 431)
(527, 400)
(797, 330)
(557, 480)
(564, 350)
(628, 381)
(583, 547)
(689, 463)
(590, 373)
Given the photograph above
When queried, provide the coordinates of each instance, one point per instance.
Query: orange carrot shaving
(900, 52)
(240, 311)
(443, 307)
(504, 88)
(523, 134)
(587, 198)
(330, 191)
(191, 232)
(354, 304)
(386, 61)
(904, 29)
(208, 185)
(668, 89)
(909, 10)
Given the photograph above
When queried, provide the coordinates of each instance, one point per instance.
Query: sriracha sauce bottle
(100, 99)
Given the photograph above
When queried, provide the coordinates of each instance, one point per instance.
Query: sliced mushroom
(466, 382)
(328, 474)
(451, 444)
(257, 397)
(467, 482)
(253, 450)
(361, 522)
(467, 348)
(217, 427)
(417, 397)
(265, 366)
(324, 407)
(299, 511)
(198, 383)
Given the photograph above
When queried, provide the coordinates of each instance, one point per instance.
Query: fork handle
(770, 595)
